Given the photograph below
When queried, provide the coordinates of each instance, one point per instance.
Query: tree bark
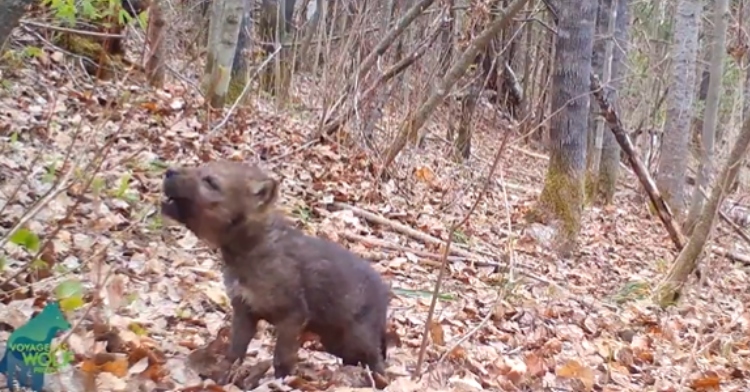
(156, 44)
(674, 149)
(609, 169)
(223, 31)
(562, 197)
(711, 114)
(669, 290)
(240, 69)
(601, 64)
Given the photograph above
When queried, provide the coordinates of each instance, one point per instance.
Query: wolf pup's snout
(174, 204)
(170, 173)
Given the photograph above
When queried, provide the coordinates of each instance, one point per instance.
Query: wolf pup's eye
(211, 182)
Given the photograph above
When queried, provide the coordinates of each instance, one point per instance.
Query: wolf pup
(274, 272)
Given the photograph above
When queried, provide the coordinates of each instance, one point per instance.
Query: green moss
(91, 49)
(607, 186)
(236, 85)
(561, 201)
(591, 184)
(79, 45)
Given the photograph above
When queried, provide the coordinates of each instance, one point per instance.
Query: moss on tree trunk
(563, 196)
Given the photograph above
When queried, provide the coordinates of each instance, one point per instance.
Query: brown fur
(274, 272)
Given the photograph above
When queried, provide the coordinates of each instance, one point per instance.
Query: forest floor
(510, 315)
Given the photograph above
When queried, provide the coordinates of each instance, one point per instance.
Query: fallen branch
(421, 253)
(403, 229)
(738, 257)
(664, 212)
(615, 125)
(669, 290)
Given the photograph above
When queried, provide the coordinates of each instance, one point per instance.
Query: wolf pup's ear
(264, 192)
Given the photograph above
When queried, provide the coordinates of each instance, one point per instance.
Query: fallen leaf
(709, 381)
(424, 174)
(436, 333)
(118, 367)
(574, 369)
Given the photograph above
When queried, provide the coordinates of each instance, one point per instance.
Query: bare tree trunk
(641, 171)
(529, 79)
(609, 170)
(11, 12)
(561, 200)
(674, 149)
(718, 48)
(447, 37)
(274, 28)
(670, 288)
(156, 38)
(240, 70)
(212, 41)
(601, 64)
(544, 101)
(447, 48)
(462, 144)
(311, 28)
(223, 32)
(744, 175)
(417, 120)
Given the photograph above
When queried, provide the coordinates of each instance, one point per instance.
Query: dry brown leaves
(532, 323)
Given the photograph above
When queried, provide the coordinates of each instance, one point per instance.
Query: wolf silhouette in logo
(37, 332)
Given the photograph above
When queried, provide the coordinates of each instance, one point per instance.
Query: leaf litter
(149, 310)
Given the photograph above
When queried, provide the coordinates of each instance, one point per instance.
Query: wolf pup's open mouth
(173, 206)
(170, 208)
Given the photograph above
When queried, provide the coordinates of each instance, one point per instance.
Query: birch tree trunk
(674, 148)
(240, 69)
(156, 39)
(561, 200)
(711, 114)
(744, 175)
(224, 29)
(601, 64)
(609, 169)
(670, 288)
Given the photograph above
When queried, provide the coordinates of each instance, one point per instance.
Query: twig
(403, 229)
(615, 124)
(389, 245)
(332, 125)
(446, 250)
(296, 150)
(530, 153)
(738, 257)
(500, 293)
(242, 95)
(72, 31)
(370, 61)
